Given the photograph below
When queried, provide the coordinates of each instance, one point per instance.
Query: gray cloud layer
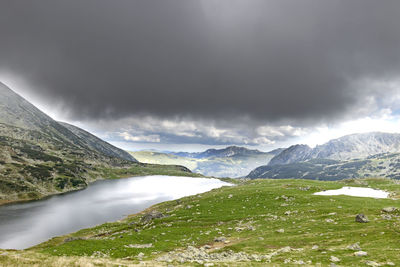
(270, 60)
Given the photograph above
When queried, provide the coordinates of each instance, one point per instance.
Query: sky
(194, 74)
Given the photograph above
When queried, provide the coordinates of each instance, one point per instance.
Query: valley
(231, 161)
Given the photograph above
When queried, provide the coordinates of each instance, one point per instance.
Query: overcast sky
(193, 74)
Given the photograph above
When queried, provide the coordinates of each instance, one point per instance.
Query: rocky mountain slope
(380, 165)
(354, 146)
(39, 156)
(97, 144)
(232, 161)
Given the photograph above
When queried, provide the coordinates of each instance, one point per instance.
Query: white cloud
(153, 138)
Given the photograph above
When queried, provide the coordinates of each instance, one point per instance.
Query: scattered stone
(372, 263)
(329, 221)
(386, 216)
(332, 214)
(220, 239)
(360, 253)
(361, 218)
(306, 188)
(280, 230)
(355, 246)
(230, 196)
(315, 247)
(208, 264)
(334, 259)
(151, 216)
(139, 245)
(390, 263)
(140, 255)
(389, 209)
(200, 256)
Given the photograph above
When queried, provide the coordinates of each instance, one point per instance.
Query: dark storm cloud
(269, 60)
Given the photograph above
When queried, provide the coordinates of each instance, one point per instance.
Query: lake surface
(23, 225)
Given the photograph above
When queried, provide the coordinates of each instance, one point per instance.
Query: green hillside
(256, 223)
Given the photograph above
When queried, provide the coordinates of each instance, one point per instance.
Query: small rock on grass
(372, 263)
(334, 259)
(360, 253)
(355, 246)
(220, 239)
(389, 209)
(361, 218)
(280, 230)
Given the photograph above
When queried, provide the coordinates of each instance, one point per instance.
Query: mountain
(345, 148)
(291, 154)
(95, 143)
(40, 156)
(230, 151)
(381, 165)
(231, 161)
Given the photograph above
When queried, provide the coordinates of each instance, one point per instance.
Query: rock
(209, 264)
(280, 230)
(390, 263)
(389, 209)
(372, 263)
(220, 239)
(355, 246)
(386, 216)
(230, 196)
(315, 247)
(329, 221)
(360, 253)
(151, 216)
(361, 218)
(140, 255)
(334, 259)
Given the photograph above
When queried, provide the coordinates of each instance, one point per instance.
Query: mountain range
(232, 161)
(351, 156)
(344, 148)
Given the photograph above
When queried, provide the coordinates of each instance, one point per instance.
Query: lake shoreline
(28, 223)
(4, 202)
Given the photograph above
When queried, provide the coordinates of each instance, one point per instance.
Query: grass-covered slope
(257, 222)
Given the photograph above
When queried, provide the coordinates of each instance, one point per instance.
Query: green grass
(259, 207)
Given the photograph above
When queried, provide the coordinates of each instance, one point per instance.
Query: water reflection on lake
(26, 224)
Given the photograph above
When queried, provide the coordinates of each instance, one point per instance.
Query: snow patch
(355, 192)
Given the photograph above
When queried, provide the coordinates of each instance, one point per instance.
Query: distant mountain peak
(352, 146)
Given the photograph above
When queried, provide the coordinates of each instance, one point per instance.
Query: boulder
(361, 218)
